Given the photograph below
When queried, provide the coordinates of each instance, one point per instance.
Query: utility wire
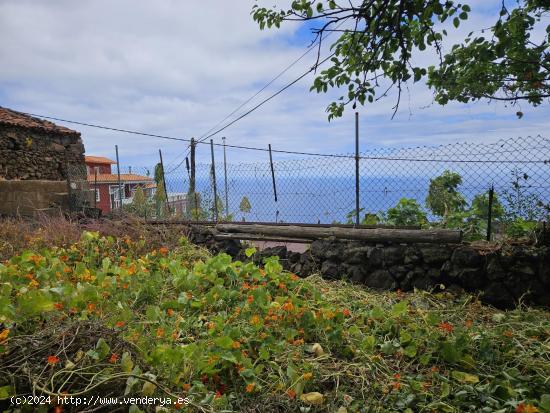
(251, 148)
(286, 69)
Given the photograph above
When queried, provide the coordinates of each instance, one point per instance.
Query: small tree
(443, 197)
(480, 206)
(407, 212)
(140, 204)
(245, 206)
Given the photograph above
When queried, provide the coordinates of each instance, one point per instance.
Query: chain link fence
(322, 189)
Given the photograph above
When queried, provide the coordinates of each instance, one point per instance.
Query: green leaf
(368, 343)
(102, 348)
(224, 342)
(249, 252)
(400, 308)
(126, 363)
(463, 377)
(545, 403)
(456, 22)
(410, 350)
(6, 392)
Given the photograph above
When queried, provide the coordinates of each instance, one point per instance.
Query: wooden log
(279, 224)
(440, 236)
(253, 237)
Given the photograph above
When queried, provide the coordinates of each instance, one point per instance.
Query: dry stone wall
(32, 154)
(502, 277)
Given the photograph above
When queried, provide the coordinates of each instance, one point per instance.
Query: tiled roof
(108, 178)
(99, 159)
(13, 118)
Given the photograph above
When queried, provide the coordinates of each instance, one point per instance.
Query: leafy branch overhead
(378, 42)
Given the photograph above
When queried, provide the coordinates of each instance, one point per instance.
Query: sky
(177, 68)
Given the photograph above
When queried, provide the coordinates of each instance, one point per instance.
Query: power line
(252, 148)
(309, 49)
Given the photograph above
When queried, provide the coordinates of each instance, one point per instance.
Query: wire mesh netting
(322, 189)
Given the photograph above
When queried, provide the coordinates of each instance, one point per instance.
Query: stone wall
(28, 154)
(26, 198)
(503, 277)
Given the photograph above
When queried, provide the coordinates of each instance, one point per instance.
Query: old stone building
(35, 156)
(32, 148)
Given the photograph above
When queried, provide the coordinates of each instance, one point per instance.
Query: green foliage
(480, 207)
(503, 64)
(521, 201)
(140, 206)
(368, 218)
(407, 212)
(233, 336)
(245, 206)
(443, 196)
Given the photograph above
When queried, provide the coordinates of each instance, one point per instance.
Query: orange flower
(163, 250)
(90, 307)
(53, 360)
(298, 342)
(346, 312)
(64, 258)
(294, 277)
(291, 393)
(170, 312)
(160, 332)
(508, 334)
(396, 385)
(34, 283)
(236, 344)
(526, 408)
(288, 306)
(255, 320)
(246, 286)
(468, 323)
(250, 299)
(282, 286)
(250, 387)
(186, 386)
(119, 324)
(447, 327)
(218, 394)
(66, 270)
(4, 335)
(58, 306)
(114, 358)
(189, 295)
(308, 376)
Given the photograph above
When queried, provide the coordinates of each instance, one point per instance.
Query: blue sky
(177, 68)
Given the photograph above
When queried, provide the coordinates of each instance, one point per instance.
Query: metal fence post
(357, 168)
(272, 173)
(490, 212)
(225, 179)
(95, 188)
(118, 179)
(214, 180)
(167, 205)
(273, 180)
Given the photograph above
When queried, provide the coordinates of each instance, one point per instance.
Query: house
(106, 186)
(35, 157)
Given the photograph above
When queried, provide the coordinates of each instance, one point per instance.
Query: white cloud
(176, 68)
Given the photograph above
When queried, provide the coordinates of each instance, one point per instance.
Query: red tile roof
(13, 118)
(99, 159)
(113, 178)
